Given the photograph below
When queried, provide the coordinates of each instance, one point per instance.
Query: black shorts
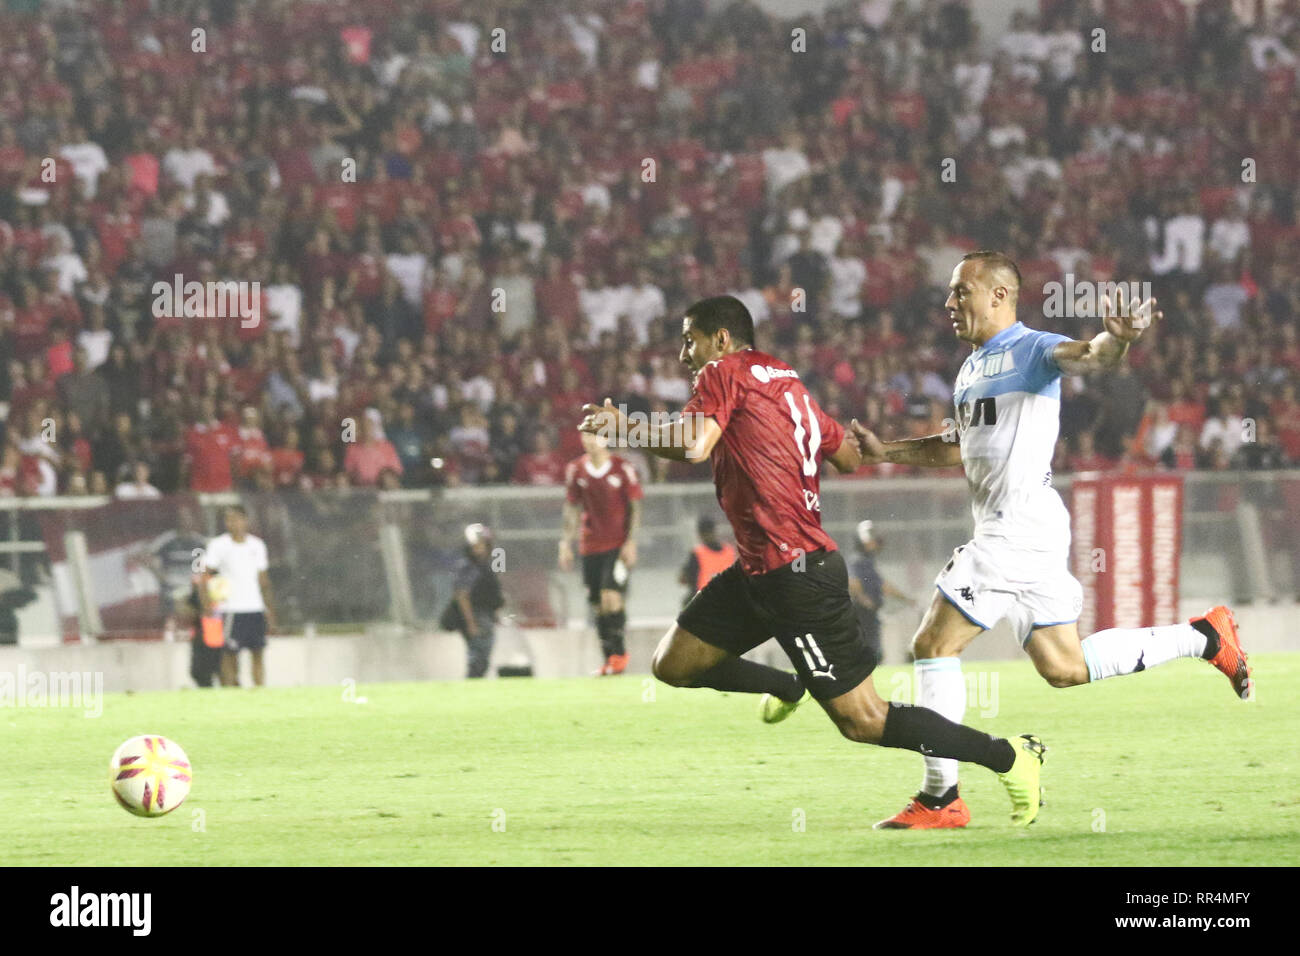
(869, 625)
(245, 631)
(808, 611)
(598, 574)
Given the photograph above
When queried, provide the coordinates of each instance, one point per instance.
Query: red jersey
(286, 466)
(544, 468)
(251, 451)
(766, 465)
(208, 448)
(604, 495)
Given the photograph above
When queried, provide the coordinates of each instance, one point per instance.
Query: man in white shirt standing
(138, 486)
(245, 608)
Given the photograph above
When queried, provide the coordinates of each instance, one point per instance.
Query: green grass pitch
(1162, 768)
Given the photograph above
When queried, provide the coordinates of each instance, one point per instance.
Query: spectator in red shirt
(59, 354)
(251, 451)
(287, 459)
(366, 459)
(1086, 457)
(1184, 409)
(11, 460)
(209, 446)
(541, 464)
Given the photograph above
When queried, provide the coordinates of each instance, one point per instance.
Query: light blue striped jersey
(1008, 402)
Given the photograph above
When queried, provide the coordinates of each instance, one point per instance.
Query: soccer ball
(150, 775)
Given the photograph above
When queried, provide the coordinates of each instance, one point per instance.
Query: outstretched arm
(932, 451)
(1124, 325)
(691, 438)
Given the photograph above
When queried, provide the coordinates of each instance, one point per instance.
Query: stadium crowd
(467, 219)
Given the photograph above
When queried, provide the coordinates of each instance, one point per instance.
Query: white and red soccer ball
(150, 775)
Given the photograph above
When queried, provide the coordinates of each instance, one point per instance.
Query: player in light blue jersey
(1008, 401)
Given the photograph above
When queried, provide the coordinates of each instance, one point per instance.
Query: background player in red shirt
(766, 438)
(603, 499)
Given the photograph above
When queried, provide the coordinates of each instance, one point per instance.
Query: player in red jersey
(603, 495)
(766, 438)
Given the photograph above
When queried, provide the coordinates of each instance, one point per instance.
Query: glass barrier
(340, 560)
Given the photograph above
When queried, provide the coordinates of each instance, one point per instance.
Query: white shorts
(989, 580)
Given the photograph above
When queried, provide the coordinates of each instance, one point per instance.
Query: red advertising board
(1127, 536)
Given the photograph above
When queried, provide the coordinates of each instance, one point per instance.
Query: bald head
(996, 268)
(982, 295)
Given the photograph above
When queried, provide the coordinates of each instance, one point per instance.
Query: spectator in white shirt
(599, 305)
(407, 266)
(1225, 299)
(67, 264)
(1184, 241)
(972, 77)
(1223, 427)
(187, 162)
(848, 272)
(87, 159)
(645, 306)
(1161, 432)
(595, 195)
(96, 339)
(1061, 52)
(284, 302)
(138, 487)
(825, 230)
(1268, 51)
(668, 383)
(752, 296)
(785, 164)
(1023, 47)
(217, 208)
(325, 383)
(1229, 235)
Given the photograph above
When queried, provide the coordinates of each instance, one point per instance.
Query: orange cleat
(917, 816)
(1231, 658)
(614, 664)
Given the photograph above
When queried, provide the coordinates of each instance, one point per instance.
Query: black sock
(933, 735)
(1212, 642)
(602, 631)
(748, 677)
(930, 801)
(617, 626)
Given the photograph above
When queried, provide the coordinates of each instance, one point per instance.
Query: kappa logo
(966, 595)
(970, 371)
